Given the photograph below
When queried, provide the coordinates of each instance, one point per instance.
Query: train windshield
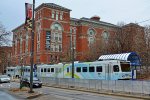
(125, 67)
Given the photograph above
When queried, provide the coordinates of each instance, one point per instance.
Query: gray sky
(12, 12)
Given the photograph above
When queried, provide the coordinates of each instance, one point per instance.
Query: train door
(116, 70)
(57, 70)
(99, 71)
(108, 71)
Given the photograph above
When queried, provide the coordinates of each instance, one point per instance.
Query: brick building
(5, 58)
(56, 34)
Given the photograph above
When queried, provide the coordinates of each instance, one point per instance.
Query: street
(5, 96)
(62, 94)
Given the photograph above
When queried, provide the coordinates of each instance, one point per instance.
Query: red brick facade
(54, 31)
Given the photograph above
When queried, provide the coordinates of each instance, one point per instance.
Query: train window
(99, 69)
(11, 69)
(28, 70)
(41, 69)
(116, 68)
(84, 69)
(44, 69)
(125, 67)
(8, 70)
(48, 69)
(91, 69)
(52, 69)
(67, 70)
(78, 69)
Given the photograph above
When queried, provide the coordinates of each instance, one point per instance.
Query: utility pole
(72, 50)
(32, 51)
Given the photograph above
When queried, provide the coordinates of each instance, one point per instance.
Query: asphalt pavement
(50, 93)
(6, 96)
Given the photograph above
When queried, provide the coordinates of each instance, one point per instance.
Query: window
(52, 69)
(53, 14)
(84, 69)
(56, 15)
(56, 37)
(48, 40)
(60, 48)
(41, 69)
(60, 37)
(67, 70)
(116, 68)
(91, 36)
(105, 36)
(52, 46)
(91, 69)
(125, 68)
(27, 37)
(99, 69)
(61, 16)
(78, 69)
(44, 69)
(28, 70)
(48, 69)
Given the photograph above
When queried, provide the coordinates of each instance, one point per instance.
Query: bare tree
(4, 42)
(4, 36)
(147, 40)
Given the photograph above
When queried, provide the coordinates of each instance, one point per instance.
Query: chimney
(96, 18)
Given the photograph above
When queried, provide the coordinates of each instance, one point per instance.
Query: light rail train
(102, 70)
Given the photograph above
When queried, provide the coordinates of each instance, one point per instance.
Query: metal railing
(125, 86)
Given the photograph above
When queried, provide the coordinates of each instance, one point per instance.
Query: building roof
(93, 21)
(131, 56)
(98, 22)
(18, 27)
(53, 5)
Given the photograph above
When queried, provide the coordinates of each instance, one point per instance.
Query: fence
(127, 86)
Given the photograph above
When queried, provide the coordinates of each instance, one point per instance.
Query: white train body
(103, 70)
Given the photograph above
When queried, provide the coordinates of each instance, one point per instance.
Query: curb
(104, 93)
(34, 96)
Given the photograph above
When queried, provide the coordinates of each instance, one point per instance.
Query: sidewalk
(24, 93)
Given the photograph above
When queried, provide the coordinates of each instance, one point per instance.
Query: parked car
(4, 79)
(36, 82)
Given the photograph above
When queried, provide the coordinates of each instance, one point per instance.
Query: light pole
(32, 51)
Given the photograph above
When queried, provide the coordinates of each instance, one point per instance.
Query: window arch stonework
(56, 37)
(91, 36)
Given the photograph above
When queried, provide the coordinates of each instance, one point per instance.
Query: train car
(103, 70)
(49, 70)
(26, 71)
(13, 71)
(10, 71)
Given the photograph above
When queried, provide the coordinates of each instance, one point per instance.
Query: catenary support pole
(32, 51)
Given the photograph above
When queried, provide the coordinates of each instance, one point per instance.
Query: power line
(144, 21)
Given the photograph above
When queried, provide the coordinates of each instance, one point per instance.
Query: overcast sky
(12, 12)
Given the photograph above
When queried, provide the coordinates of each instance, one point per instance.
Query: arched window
(56, 37)
(105, 36)
(56, 26)
(91, 36)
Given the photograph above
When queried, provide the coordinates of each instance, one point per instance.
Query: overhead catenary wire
(144, 21)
